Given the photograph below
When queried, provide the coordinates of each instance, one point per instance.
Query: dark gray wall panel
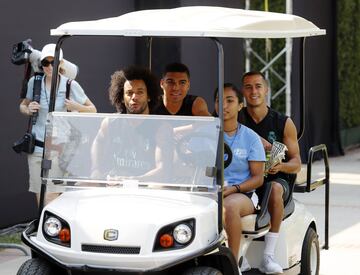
(97, 59)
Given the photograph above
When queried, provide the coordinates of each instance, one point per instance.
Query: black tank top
(121, 156)
(185, 109)
(270, 128)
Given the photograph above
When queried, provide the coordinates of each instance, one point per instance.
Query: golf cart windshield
(100, 150)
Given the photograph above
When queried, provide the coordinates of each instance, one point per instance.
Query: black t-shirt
(270, 128)
(185, 109)
(131, 155)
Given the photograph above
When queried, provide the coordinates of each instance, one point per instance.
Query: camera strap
(27, 73)
(38, 77)
(37, 91)
(68, 86)
(67, 95)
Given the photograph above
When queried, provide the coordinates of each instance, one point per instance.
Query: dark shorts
(284, 183)
(249, 194)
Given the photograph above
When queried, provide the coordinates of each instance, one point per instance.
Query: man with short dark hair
(175, 84)
(271, 126)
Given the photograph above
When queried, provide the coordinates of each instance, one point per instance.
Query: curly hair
(118, 79)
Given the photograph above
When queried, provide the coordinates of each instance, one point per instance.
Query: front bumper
(29, 238)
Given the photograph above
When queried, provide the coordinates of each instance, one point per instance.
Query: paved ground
(344, 250)
(344, 242)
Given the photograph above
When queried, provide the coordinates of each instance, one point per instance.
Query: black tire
(310, 254)
(202, 270)
(35, 266)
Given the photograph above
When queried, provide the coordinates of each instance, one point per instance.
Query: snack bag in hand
(277, 154)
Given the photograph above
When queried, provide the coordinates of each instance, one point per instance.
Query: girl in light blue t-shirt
(245, 173)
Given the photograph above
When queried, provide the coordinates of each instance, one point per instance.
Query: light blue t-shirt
(76, 93)
(245, 146)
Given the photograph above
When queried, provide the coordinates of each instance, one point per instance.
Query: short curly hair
(118, 79)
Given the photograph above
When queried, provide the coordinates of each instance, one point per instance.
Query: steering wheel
(227, 155)
(186, 154)
(186, 148)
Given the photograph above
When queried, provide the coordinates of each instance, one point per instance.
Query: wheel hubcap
(313, 258)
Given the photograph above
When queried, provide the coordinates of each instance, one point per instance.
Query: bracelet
(237, 188)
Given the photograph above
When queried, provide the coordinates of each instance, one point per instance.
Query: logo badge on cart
(111, 234)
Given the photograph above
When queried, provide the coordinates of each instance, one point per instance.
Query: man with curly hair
(132, 147)
(134, 90)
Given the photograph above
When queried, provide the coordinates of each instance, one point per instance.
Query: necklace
(234, 136)
(231, 130)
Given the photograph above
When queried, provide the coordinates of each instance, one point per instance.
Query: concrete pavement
(344, 234)
(11, 260)
(344, 221)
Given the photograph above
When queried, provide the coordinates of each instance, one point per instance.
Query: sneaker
(269, 266)
(245, 265)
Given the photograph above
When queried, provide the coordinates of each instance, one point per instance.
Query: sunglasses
(46, 63)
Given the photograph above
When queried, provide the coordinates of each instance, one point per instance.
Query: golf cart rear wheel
(202, 270)
(35, 266)
(310, 254)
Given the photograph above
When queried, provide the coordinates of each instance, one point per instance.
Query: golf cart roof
(195, 21)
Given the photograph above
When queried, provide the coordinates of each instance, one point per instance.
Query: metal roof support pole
(302, 88)
(288, 63)
(247, 45)
(220, 149)
(150, 40)
(54, 84)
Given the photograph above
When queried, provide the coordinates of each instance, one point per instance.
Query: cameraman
(78, 101)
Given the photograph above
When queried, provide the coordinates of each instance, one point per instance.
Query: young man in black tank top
(175, 84)
(271, 126)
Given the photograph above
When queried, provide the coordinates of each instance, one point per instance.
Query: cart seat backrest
(261, 219)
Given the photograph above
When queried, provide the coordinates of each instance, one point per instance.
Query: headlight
(52, 226)
(176, 235)
(56, 230)
(182, 233)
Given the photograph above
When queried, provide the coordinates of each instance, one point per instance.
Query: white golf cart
(120, 211)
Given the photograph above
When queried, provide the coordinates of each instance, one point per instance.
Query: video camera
(25, 144)
(23, 53)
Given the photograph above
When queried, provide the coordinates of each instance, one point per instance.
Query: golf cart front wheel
(35, 266)
(310, 254)
(202, 270)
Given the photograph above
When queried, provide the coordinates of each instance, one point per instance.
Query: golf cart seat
(289, 205)
(260, 220)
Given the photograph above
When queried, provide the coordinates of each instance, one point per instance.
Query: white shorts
(34, 163)
(255, 199)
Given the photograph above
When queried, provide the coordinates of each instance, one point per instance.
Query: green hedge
(348, 40)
